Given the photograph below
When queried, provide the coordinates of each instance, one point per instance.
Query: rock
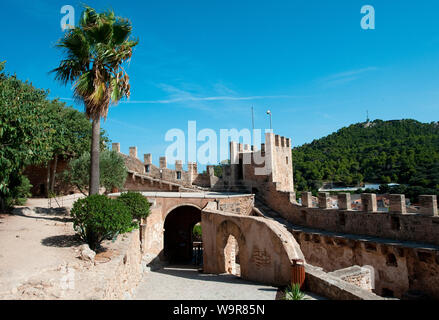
(86, 253)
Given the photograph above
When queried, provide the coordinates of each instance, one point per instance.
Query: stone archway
(266, 248)
(178, 240)
(231, 257)
(232, 248)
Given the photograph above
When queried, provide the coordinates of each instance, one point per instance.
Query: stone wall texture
(398, 267)
(402, 227)
(265, 247)
(124, 272)
(334, 288)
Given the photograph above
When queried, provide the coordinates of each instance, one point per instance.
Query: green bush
(19, 192)
(197, 232)
(138, 204)
(97, 218)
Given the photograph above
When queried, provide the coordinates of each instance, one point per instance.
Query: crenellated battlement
(189, 178)
(253, 165)
(415, 223)
(280, 143)
(397, 203)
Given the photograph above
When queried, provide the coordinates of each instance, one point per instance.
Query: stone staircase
(269, 213)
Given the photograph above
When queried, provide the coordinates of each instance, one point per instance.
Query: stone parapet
(397, 203)
(344, 201)
(323, 200)
(147, 158)
(369, 201)
(163, 163)
(428, 205)
(307, 199)
(133, 152)
(116, 147)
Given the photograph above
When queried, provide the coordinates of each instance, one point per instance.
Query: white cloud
(344, 77)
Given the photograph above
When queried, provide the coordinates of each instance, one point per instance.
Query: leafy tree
(25, 133)
(71, 138)
(399, 151)
(96, 51)
(113, 171)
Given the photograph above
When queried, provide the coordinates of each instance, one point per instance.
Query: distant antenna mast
(253, 119)
(367, 119)
(253, 126)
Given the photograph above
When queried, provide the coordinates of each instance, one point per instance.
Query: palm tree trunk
(94, 163)
(48, 179)
(52, 178)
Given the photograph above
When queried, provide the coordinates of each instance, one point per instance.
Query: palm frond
(76, 45)
(68, 71)
(96, 51)
(121, 31)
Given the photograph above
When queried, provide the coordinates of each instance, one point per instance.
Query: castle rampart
(422, 227)
(170, 179)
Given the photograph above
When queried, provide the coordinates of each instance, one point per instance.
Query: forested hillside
(399, 151)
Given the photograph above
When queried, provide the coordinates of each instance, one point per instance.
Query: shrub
(138, 204)
(97, 218)
(197, 232)
(19, 191)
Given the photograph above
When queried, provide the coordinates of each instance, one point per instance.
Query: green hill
(398, 151)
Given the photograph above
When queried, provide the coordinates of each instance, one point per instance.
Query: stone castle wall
(420, 227)
(178, 176)
(398, 267)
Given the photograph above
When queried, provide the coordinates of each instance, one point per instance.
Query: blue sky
(210, 61)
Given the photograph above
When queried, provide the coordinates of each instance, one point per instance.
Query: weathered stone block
(133, 152)
(428, 205)
(369, 201)
(179, 165)
(147, 158)
(397, 203)
(116, 147)
(307, 199)
(323, 200)
(163, 163)
(344, 201)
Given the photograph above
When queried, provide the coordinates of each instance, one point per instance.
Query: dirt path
(37, 246)
(32, 243)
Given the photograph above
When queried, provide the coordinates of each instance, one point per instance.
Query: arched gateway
(233, 240)
(178, 235)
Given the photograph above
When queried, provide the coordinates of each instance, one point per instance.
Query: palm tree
(95, 53)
